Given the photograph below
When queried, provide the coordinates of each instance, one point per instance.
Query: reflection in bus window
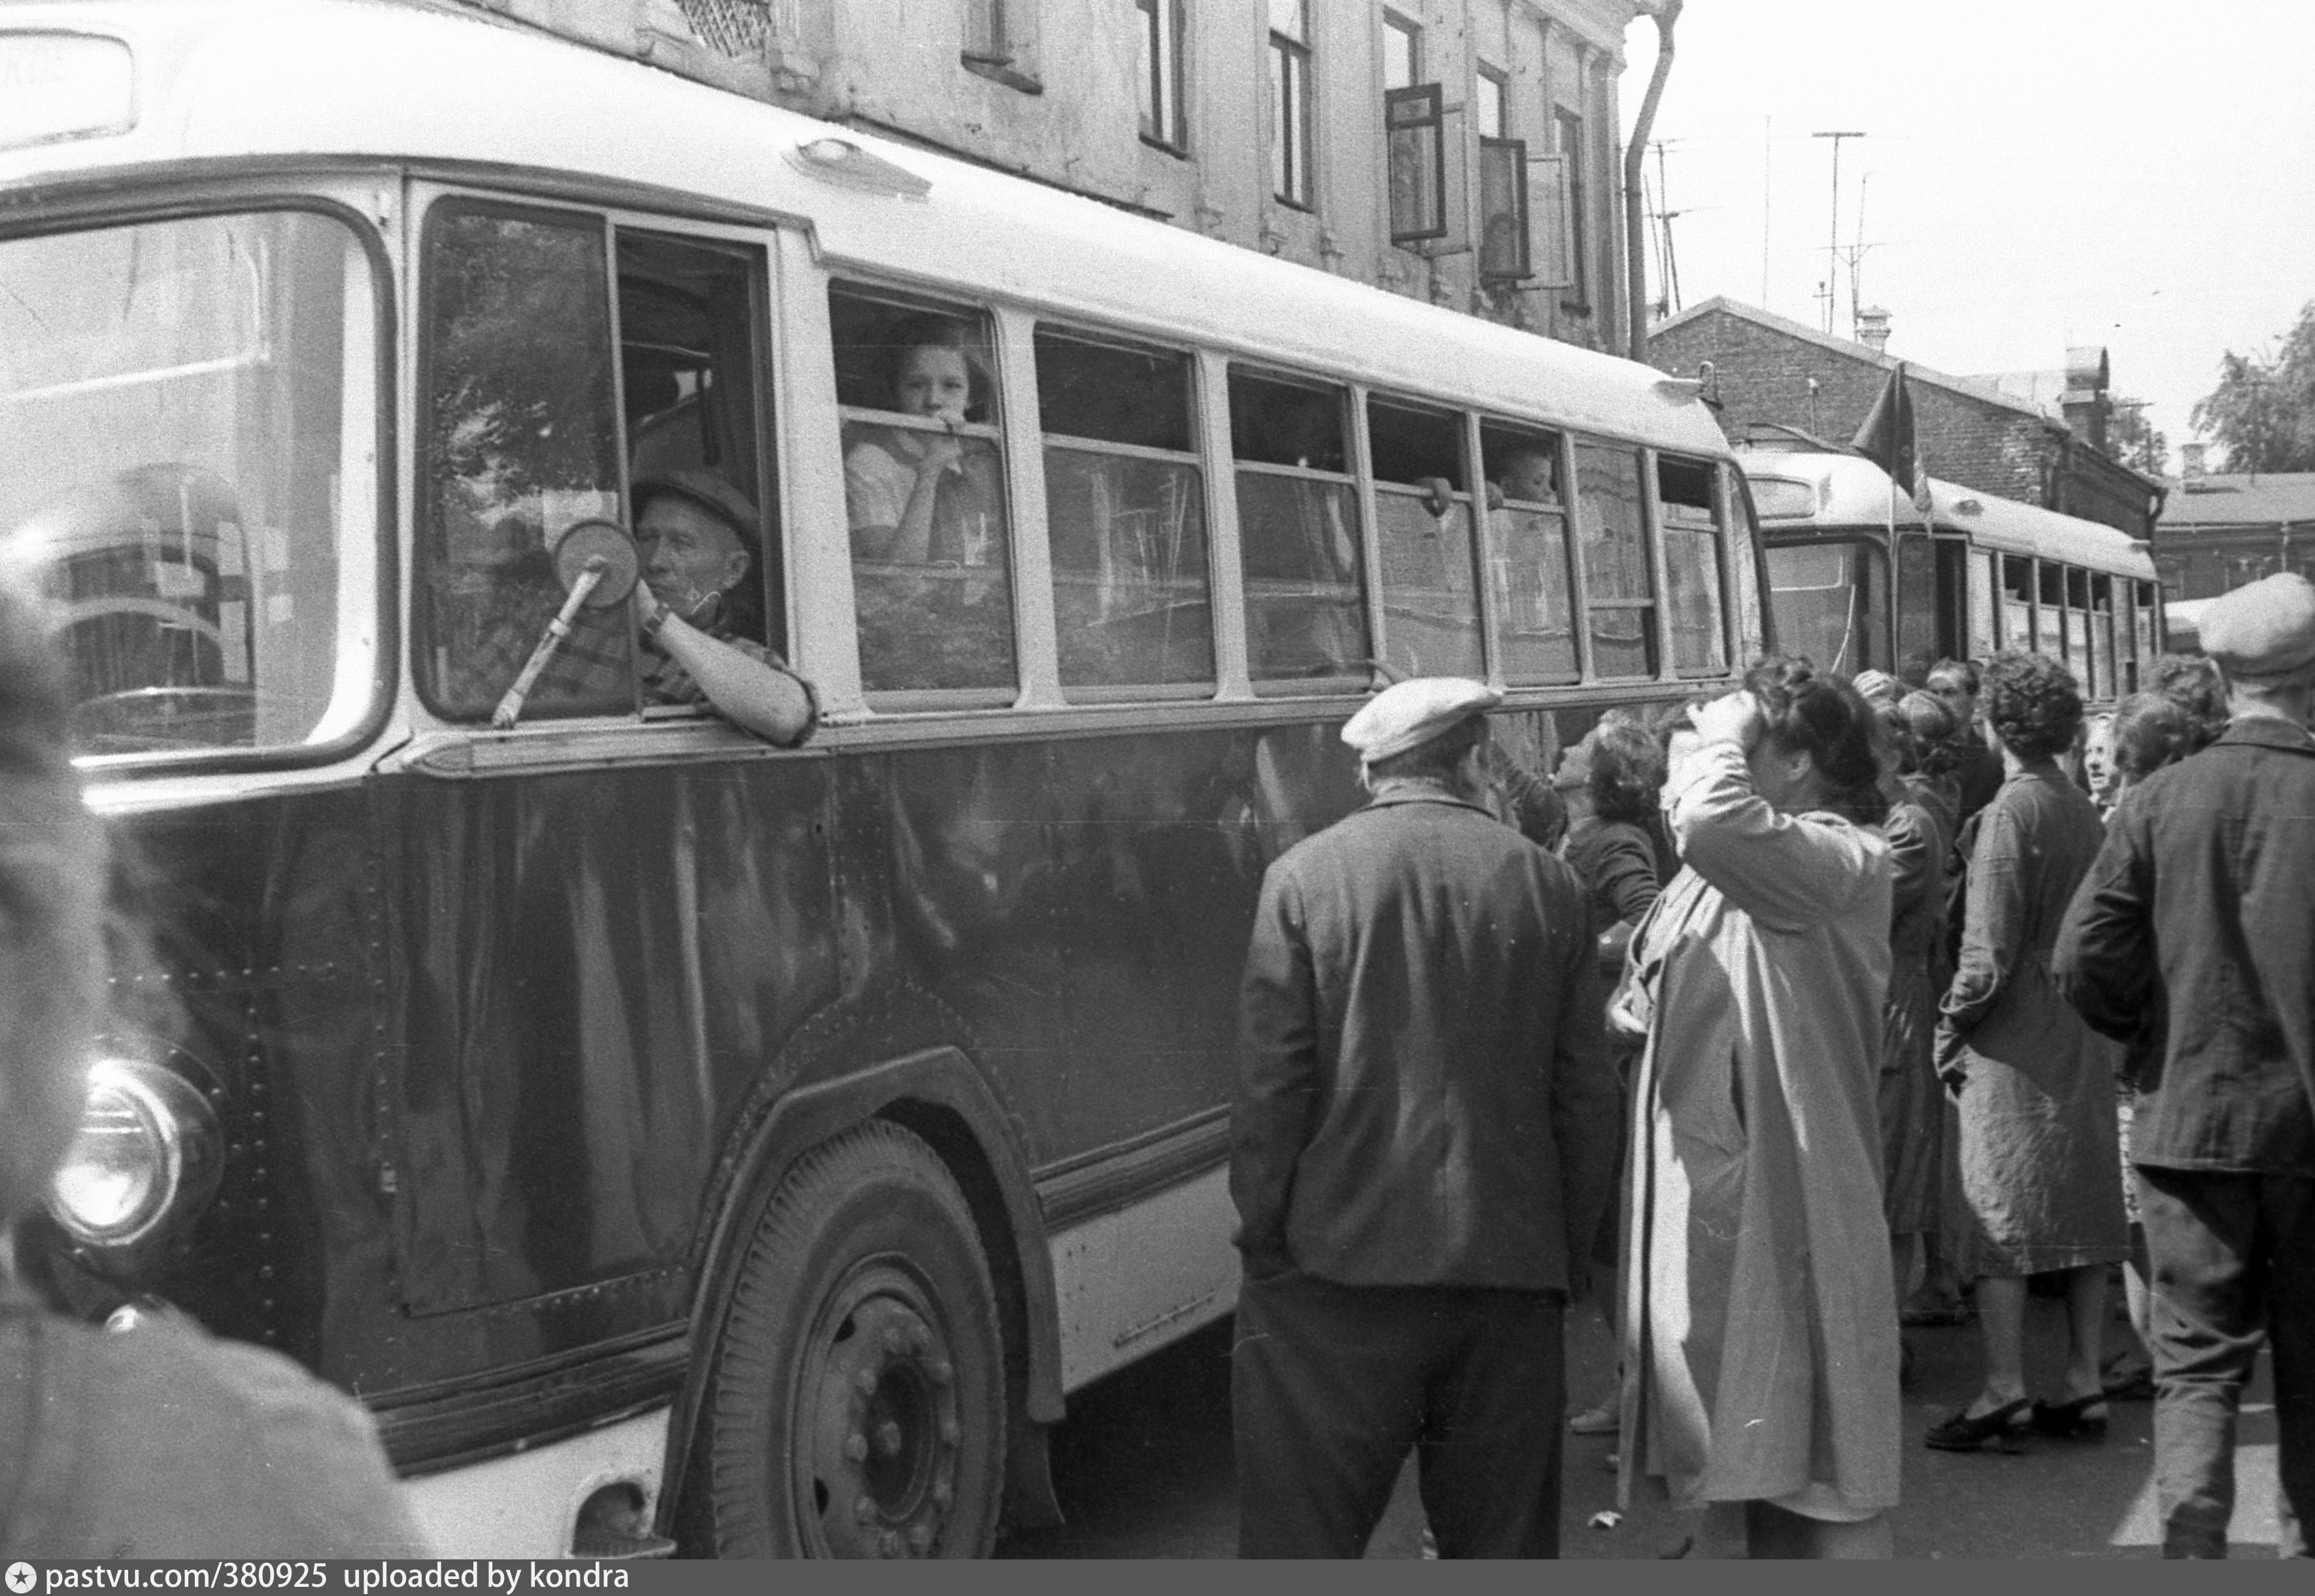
(1691, 542)
(2142, 617)
(1828, 604)
(2102, 638)
(1984, 619)
(1916, 599)
(1423, 512)
(1298, 531)
(1535, 627)
(923, 487)
(2016, 602)
(2050, 609)
(1125, 500)
(1618, 596)
(520, 443)
(187, 415)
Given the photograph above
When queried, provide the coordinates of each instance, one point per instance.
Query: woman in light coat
(1761, 1324)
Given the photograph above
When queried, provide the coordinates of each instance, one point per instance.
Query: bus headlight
(146, 1149)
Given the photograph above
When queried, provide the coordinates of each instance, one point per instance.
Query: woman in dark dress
(2041, 1177)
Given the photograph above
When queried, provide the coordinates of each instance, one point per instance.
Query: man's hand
(1736, 718)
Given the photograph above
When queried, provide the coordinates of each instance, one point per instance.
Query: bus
(679, 1142)
(1860, 578)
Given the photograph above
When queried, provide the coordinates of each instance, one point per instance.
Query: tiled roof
(2265, 500)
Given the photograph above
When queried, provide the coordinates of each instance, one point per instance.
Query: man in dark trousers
(1424, 1136)
(2204, 898)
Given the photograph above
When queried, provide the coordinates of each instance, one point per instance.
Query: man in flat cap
(2204, 898)
(1423, 1139)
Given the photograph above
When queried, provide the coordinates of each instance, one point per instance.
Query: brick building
(1260, 122)
(1767, 371)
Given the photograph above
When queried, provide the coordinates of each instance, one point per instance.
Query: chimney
(2191, 471)
(2084, 403)
(1873, 329)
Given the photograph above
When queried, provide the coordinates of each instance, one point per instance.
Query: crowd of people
(1907, 993)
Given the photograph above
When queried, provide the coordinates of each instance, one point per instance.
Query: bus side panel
(259, 916)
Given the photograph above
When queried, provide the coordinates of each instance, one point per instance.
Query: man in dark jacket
(2206, 886)
(1425, 1133)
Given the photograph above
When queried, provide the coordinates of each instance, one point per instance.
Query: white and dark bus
(1860, 578)
(671, 1138)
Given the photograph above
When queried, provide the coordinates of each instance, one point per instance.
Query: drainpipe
(1636, 153)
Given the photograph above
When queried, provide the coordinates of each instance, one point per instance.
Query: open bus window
(688, 365)
(1618, 596)
(1691, 546)
(1916, 601)
(2050, 611)
(189, 416)
(1125, 499)
(1826, 598)
(1535, 627)
(2016, 602)
(1297, 529)
(1422, 515)
(518, 441)
(924, 485)
(2102, 674)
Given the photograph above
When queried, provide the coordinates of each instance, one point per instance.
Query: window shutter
(1551, 224)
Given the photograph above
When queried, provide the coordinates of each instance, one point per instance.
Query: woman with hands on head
(1760, 1325)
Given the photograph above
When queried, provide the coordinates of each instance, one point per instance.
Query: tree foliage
(2135, 441)
(2263, 411)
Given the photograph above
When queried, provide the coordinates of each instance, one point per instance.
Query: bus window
(2017, 602)
(1691, 541)
(2150, 639)
(1744, 562)
(519, 440)
(1618, 594)
(1298, 531)
(924, 489)
(687, 321)
(1423, 521)
(188, 419)
(1125, 500)
(2102, 674)
(1984, 630)
(1916, 600)
(1826, 597)
(1535, 627)
(2078, 627)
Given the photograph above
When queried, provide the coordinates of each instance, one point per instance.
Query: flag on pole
(1886, 438)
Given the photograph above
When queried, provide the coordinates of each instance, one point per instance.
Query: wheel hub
(880, 1473)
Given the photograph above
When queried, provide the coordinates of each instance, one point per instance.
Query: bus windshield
(1828, 600)
(188, 410)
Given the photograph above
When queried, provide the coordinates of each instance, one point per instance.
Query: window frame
(1471, 496)
(1000, 43)
(1571, 556)
(1569, 125)
(1194, 456)
(338, 202)
(1722, 575)
(1165, 35)
(1355, 475)
(1293, 152)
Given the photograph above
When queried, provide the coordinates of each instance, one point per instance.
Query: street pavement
(1143, 1465)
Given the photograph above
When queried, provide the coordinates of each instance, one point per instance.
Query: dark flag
(1886, 438)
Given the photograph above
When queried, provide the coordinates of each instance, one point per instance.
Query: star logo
(21, 1577)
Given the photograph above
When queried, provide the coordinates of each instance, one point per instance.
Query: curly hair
(2033, 702)
(1627, 772)
(52, 913)
(1823, 717)
(2150, 731)
(2192, 682)
(1935, 730)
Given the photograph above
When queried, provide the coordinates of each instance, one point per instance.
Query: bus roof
(219, 81)
(1848, 491)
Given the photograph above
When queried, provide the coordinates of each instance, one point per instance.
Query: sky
(2035, 175)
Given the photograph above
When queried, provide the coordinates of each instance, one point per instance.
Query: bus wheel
(859, 1405)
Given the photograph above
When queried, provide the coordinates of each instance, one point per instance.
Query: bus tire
(858, 1401)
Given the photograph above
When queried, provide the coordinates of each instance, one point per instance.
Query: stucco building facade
(1261, 122)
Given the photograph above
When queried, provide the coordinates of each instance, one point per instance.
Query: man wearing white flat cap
(1424, 1139)
(2204, 896)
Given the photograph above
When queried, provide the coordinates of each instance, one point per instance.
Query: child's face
(1528, 476)
(934, 382)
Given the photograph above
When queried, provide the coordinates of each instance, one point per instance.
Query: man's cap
(2266, 629)
(1410, 714)
(712, 494)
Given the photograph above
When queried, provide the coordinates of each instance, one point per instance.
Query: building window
(1000, 41)
(1579, 216)
(1488, 100)
(1289, 102)
(1162, 121)
(1401, 52)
